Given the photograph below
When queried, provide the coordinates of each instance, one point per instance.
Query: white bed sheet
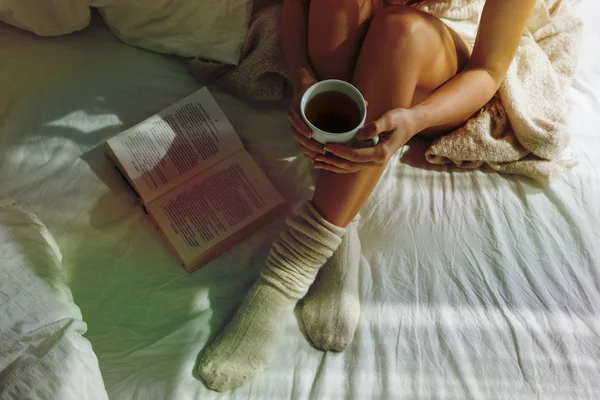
(473, 284)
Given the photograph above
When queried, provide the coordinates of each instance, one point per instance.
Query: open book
(188, 167)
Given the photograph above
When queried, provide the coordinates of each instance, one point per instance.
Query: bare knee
(432, 46)
(401, 23)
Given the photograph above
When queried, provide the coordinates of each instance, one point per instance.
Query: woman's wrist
(301, 87)
(417, 120)
(305, 78)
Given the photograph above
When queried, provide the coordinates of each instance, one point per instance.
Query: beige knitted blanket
(522, 130)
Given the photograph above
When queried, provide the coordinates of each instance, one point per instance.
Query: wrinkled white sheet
(473, 284)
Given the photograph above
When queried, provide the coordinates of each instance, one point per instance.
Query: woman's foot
(331, 308)
(248, 343)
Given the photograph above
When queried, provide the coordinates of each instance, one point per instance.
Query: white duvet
(473, 284)
(43, 354)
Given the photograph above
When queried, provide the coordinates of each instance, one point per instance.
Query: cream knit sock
(248, 343)
(331, 308)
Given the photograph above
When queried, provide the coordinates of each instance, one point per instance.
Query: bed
(473, 284)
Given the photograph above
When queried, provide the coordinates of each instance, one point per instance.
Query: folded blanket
(261, 74)
(522, 130)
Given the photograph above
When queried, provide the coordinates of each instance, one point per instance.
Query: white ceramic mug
(335, 85)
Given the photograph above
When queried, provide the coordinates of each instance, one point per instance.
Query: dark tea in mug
(333, 112)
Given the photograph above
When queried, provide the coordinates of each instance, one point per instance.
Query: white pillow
(46, 17)
(43, 353)
(210, 29)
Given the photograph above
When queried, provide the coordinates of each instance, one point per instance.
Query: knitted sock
(247, 344)
(331, 308)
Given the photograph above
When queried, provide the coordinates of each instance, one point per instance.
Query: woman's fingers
(332, 160)
(298, 123)
(377, 154)
(340, 170)
(310, 144)
(327, 161)
(311, 155)
(329, 167)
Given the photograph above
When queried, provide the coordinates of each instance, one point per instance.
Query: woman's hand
(301, 132)
(394, 128)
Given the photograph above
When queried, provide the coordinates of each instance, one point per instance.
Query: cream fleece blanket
(522, 130)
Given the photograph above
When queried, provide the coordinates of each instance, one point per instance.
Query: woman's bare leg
(406, 55)
(336, 29)
(248, 343)
(394, 69)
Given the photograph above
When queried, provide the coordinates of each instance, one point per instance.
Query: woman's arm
(294, 37)
(500, 30)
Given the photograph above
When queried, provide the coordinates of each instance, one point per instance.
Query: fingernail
(324, 151)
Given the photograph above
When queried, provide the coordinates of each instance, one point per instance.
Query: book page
(172, 146)
(214, 205)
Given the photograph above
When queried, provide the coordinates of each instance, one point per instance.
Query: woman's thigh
(336, 30)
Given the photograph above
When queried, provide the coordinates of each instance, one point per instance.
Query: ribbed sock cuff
(300, 251)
